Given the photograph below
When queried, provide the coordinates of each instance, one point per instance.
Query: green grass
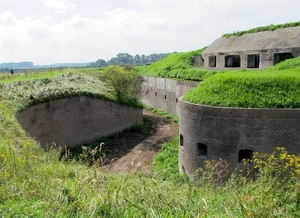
(271, 27)
(24, 92)
(275, 87)
(177, 66)
(164, 114)
(32, 74)
(34, 183)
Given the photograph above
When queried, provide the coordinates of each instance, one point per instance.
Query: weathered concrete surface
(164, 93)
(226, 131)
(265, 44)
(77, 120)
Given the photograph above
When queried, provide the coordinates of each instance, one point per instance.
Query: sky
(76, 31)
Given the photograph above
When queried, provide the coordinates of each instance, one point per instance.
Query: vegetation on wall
(275, 87)
(177, 66)
(262, 29)
(34, 183)
(126, 82)
(24, 91)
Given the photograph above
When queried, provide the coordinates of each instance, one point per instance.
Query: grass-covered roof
(275, 87)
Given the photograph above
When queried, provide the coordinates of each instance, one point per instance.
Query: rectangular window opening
(246, 154)
(232, 61)
(278, 57)
(253, 61)
(212, 61)
(202, 150)
(181, 140)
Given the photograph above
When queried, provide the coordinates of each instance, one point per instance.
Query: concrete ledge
(227, 131)
(77, 120)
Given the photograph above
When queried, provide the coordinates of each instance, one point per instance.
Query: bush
(125, 80)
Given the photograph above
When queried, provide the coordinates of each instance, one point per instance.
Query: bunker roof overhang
(280, 39)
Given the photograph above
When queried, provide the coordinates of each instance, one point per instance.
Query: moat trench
(135, 151)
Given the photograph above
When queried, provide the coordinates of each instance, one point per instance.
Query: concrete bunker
(77, 120)
(233, 134)
(253, 50)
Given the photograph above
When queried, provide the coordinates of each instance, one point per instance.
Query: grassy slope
(275, 87)
(34, 183)
(263, 28)
(176, 66)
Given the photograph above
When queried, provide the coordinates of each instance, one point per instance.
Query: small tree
(12, 72)
(126, 81)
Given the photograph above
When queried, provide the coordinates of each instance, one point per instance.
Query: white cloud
(7, 18)
(60, 6)
(101, 29)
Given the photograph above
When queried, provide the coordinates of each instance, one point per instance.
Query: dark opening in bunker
(232, 61)
(253, 61)
(278, 57)
(181, 140)
(201, 150)
(246, 154)
(212, 61)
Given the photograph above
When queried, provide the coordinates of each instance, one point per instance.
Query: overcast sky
(59, 31)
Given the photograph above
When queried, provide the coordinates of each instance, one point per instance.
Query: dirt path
(135, 151)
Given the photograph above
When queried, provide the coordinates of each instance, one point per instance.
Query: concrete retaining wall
(227, 132)
(77, 120)
(164, 93)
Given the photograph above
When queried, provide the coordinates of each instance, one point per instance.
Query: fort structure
(253, 50)
(77, 120)
(232, 134)
(164, 93)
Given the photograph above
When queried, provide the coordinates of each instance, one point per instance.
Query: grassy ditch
(34, 183)
(275, 87)
(94, 152)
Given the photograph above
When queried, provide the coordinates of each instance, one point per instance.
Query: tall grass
(34, 183)
(271, 27)
(25, 92)
(275, 87)
(177, 66)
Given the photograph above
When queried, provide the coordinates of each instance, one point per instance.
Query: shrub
(125, 80)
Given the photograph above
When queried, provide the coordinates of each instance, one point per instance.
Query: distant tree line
(23, 64)
(8, 67)
(127, 59)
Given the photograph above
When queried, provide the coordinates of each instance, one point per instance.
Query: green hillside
(275, 87)
(177, 66)
(263, 28)
(35, 183)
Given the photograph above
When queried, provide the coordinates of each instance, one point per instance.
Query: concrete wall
(164, 93)
(266, 58)
(266, 44)
(226, 131)
(77, 120)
